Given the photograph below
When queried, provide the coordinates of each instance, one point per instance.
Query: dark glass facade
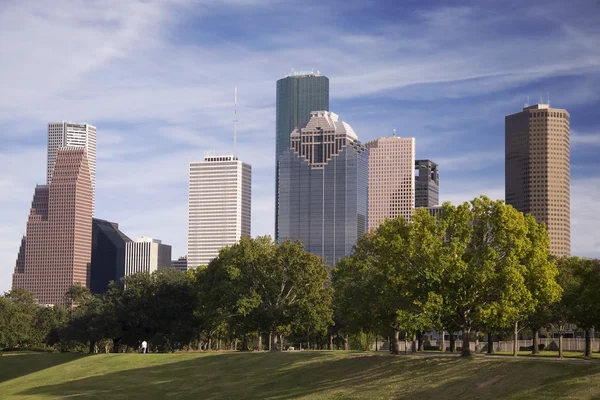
(108, 255)
(297, 96)
(427, 184)
(323, 202)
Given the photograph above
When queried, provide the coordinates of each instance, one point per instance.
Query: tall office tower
(323, 179)
(427, 185)
(538, 170)
(108, 255)
(298, 95)
(219, 203)
(71, 134)
(391, 179)
(59, 231)
(146, 255)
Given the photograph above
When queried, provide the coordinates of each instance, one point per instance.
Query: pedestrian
(144, 347)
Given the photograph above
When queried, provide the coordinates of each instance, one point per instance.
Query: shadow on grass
(288, 376)
(20, 364)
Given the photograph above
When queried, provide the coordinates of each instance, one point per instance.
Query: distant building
(538, 170)
(146, 255)
(427, 185)
(391, 179)
(58, 242)
(219, 206)
(72, 134)
(434, 211)
(298, 95)
(108, 255)
(323, 180)
(180, 264)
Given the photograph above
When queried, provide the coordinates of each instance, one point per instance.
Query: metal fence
(570, 344)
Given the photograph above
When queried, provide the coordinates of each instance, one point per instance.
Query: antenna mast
(235, 120)
(394, 132)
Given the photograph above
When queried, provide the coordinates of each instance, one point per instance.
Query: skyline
(157, 80)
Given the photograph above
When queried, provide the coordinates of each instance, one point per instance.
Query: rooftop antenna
(394, 132)
(548, 97)
(527, 104)
(235, 120)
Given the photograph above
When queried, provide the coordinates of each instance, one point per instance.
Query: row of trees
(478, 267)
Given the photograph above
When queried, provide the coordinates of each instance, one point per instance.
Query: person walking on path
(144, 347)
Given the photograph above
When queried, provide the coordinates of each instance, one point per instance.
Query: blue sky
(157, 79)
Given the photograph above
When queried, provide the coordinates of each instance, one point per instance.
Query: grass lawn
(292, 375)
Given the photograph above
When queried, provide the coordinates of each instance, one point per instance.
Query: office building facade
(297, 96)
(219, 206)
(427, 183)
(391, 179)
(323, 178)
(108, 255)
(538, 170)
(146, 255)
(72, 134)
(180, 264)
(59, 231)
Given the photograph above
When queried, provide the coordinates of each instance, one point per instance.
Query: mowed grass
(292, 375)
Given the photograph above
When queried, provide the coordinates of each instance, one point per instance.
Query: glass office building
(298, 95)
(323, 196)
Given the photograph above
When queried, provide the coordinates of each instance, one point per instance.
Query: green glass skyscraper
(297, 95)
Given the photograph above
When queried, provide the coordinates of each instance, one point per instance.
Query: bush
(361, 341)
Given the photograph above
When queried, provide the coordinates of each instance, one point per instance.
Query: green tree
(496, 265)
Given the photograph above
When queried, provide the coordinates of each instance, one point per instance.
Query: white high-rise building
(146, 255)
(219, 206)
(391, 179)
(72, 134)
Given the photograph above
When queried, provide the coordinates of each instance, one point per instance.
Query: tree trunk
(466, 345)
(396, 345)
(442, 342)
(516, 339)
(346, 343)
(490, 349)
(536, 342)
(476, 342)
(209, 344)
(588, 344)
(235, 345)
(330, 342)
(560, 345)
(115, 348)
(219, 343)
(260, 344)
(245, 346)
(421, 342)
(452, 343)
(92, 346)
(413, 344)
(272, 340)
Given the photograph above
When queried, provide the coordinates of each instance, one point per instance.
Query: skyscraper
(391, 179)
(427, 185)
(219, 206)
(146, 255)
(297, 96)
(323, 178)
(108, 255)
(59, 231)
(72, 134)
(538, 170)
